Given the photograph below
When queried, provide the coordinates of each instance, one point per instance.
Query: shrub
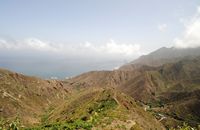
(184, 127)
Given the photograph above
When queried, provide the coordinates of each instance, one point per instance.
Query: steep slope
(180, 76)
(161, 88)
(181, 106)
(27, 97)
(102, 78)
(136, 83)
(177, 94)
(103, 108)
(182, 96)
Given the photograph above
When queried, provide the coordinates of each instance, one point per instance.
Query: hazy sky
(67, 37)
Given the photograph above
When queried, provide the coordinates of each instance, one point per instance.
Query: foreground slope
(103, 109)
(27, 97)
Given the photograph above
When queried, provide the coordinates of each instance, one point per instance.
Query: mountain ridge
(162, 56)
(159, 96)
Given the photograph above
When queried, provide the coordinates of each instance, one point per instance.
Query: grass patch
(70, 125)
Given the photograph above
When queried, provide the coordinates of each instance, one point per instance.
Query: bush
(7, 125)
(184, 127)
(77, 124)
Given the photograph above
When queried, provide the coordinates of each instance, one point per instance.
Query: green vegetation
(95, 113)
(185, 127)
(71, 125)
(153, 104)
(7, 125)
(45, 116)
(103, 105)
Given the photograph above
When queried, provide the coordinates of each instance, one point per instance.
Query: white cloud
(191, 36)
(4, 44)
(113, 48)
(162, 27)
(125, 49)
(109, 49)
(198, 9)
(33, 43)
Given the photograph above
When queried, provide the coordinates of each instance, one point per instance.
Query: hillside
(45, 104)
(147, 82)
(101, 109)
(167, 89)
(27, 97)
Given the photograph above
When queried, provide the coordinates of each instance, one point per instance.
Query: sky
(63, 38)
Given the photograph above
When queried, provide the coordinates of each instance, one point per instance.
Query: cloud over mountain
(190, 38)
